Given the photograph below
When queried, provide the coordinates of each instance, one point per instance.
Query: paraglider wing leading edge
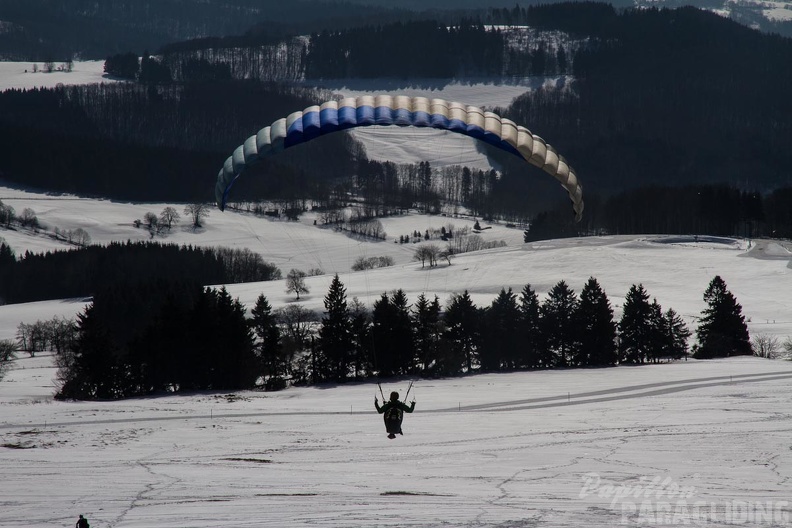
(399, 110)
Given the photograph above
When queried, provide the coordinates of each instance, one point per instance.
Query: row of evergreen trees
(514, 332)
(170, 336)
(718, 209)
(82, 272)
(158, 336)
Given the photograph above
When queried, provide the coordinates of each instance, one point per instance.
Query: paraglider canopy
(399, 110)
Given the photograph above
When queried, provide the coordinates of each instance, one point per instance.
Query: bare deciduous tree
(80, 237)
(198, 212)
(28, 218)
(7, 214)
(295, 282)
(169, 216)
(765, 346)
(427, 252)
(788, 348)
(151, 220)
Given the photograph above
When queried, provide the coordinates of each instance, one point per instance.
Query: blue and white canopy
(399, 110)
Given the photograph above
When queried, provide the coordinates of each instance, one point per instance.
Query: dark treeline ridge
(580, 21)
(82, 272)
(412, 49)
(41, 30)
(717, 209)
(668, 97)
(419, 49)
(151, 142)
(170, 337)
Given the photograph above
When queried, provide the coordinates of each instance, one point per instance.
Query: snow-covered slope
(675, 270)
(699, 443)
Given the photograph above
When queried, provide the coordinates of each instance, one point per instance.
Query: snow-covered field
(675, 270)
(693, 443)
(697, 443)
(20, 75)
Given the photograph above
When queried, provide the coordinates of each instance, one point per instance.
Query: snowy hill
(768, 9)
(704, 443)
(675, 270)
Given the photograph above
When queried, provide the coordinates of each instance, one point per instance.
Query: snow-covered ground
(674, 269)
(20, 75)
(694, 443)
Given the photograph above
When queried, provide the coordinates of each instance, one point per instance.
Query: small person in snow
(82, 522)
(394, 413)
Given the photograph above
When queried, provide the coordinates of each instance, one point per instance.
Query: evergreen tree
(382, 325)
(232, 355)
(462, 335)
(500, 343)
(530, 334)
(124, 65)
(360, 333)
(6, 255)
(404, 340)
(657, 336)
(270, 352)
(335, 340)
(7, 262)
(152, 71)
(428, 329)
(559, 327)
(676, 335)
(394, 348)
(160, 356)
(90, 370)
(722, 331)
(597, 327)
(635, 326)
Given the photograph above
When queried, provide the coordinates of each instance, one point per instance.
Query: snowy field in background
(694, 443)
(674, 269)
(14, 75)
(442, 148)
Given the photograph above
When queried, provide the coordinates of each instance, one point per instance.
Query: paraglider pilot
(394, 413)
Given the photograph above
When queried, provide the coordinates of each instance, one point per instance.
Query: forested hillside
(676, 99)
(140, 142)
(85, 29)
